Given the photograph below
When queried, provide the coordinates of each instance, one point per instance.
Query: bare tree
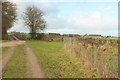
(34, 20)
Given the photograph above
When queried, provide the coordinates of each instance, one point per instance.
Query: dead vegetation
(98, 56)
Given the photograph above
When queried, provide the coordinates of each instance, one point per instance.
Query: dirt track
(32, 63)
(12, 43)
(6, 59)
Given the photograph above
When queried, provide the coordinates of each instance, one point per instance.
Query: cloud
(104, 8)
(56, 22)
(19, 27)
(48, 1)
(96, 0)
(82, 21)
(17, 2)
(77, 23)
(44, 1)
(90, 23)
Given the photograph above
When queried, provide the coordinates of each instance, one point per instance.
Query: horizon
(67, 34)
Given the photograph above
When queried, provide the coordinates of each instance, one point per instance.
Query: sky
(73, 16)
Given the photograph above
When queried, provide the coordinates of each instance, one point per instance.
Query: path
(6, 59)
(12, 43)
(33, 64)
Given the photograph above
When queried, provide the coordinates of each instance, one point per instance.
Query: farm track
(6, 59)
(12, 43)
(33, 64)
(34, 68)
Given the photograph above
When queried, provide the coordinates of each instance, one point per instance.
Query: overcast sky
(73, 16)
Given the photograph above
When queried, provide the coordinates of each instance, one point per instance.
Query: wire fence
(100, 56)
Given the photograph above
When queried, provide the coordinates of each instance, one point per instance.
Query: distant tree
(34, 20)
(8, 17)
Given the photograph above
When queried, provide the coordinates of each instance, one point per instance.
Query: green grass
(17, 66)
(5, 40)
(113, 56)
(114, 39)
(4, 50)
(56, 61)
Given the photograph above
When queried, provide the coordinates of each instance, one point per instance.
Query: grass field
(17, 66)
(56, 61)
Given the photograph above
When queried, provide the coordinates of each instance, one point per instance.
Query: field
(63, 59)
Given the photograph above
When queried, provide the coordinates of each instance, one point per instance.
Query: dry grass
(102, 60)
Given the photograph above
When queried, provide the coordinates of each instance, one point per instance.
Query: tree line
(33, 19)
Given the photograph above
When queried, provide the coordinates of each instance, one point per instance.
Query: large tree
(8, 17)
(34, 20)
(0, 20)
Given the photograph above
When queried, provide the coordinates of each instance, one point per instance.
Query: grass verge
(4, 50)
(56, 61)
(17, 66)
